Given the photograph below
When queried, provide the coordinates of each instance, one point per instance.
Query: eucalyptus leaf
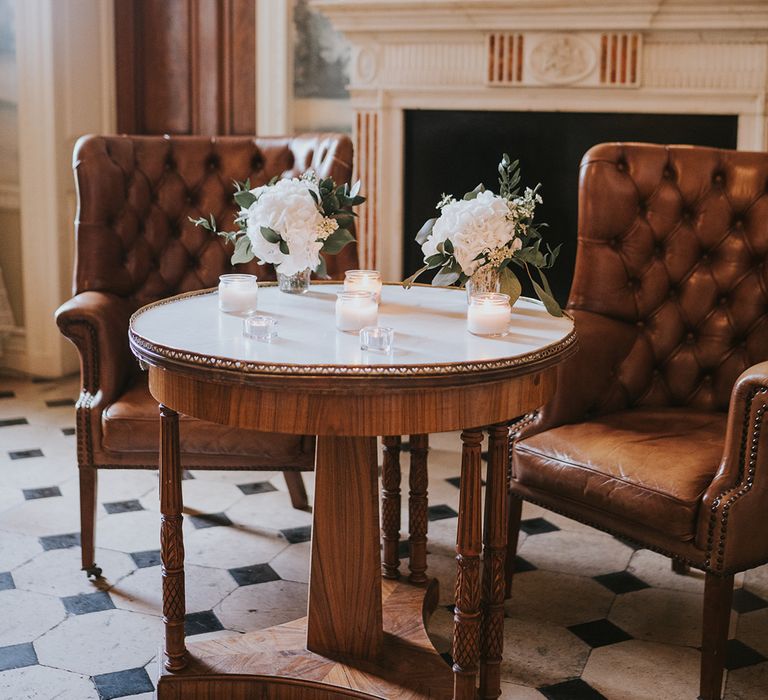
(244, 198)
(284, 247)
(243, 252)
(336, 241)
(270, 235)
(549, 302)
(510, 284)
(445, 278)
(201, 222)
(425, 231)
(448, 246)
(355, 189)
(435, 260)
(473, 194)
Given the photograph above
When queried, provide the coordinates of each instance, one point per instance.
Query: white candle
(238, 294)
(363, 281)
(489, 314)
(355, 310)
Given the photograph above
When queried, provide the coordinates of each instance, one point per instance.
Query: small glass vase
(297, 283)
(485, 280)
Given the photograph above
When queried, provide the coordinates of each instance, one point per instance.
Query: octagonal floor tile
(292, 564)
(38, 682)
(201, 497)
(637, 670)
(135, 531)
(17, 549)
(231, 547)
(579, 553)
(271, 511)
(747, 683)
(263, 605)
(111, 640)
(27, 615)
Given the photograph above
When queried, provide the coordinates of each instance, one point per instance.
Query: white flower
(287, 208)
(473, 226)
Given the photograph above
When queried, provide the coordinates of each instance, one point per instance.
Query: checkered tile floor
(590, 616)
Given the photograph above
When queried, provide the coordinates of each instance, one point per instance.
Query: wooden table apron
(360, 639)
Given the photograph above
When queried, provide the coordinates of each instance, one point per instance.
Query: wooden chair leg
(296, 490)
(494, 546)
(418, 509)
(514, 514)
(466, 619)
(88, 487)
(390, 506)
(718, 595)
(680, 567)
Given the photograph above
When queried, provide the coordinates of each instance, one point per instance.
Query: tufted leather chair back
(670, 290)
(135, 194)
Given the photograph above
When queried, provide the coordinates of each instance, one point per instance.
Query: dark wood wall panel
(186, 66)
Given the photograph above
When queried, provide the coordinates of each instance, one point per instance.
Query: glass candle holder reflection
(262, 328)
(238, 294)
(355, 310)
(363, 281)
(489, 314)
(376, 339)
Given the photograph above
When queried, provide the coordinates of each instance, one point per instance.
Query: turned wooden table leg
(418, 505)
(494, 551)
(466, 648)
(390, 506)
(171, 540)
(345, 611)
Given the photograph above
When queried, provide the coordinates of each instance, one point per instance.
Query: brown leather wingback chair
(135, 244)
(655, 431)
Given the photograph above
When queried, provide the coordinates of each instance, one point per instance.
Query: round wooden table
(363, 636)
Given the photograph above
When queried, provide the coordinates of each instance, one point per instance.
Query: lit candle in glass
(489, 314)
(355, 310)
(237, 294)
(363, 281)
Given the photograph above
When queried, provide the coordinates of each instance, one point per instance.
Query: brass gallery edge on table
(362, 637)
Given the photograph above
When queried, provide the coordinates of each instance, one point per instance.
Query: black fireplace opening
(452, 151)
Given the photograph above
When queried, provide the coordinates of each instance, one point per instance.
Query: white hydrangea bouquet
(290, 222)
(479, 239)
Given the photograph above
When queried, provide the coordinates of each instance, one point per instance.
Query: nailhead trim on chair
(743, 484)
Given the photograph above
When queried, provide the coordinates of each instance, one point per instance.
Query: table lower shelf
(274, 664)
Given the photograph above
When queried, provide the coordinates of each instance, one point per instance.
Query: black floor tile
(404, 549)
(297, 534)
(60, 541)
(68, 431)
(17, 656)
(210, 520)
(537, 526)
(440, 512)
(256, 573)
(151, 557)
(599, 633)
(7, 422)
(621, 582)
(484, 455)
(186, 475)
(523, 565)
(575, 689)
(45, 492)
(454, 481)
(629, 543)
(446, 656)
(123, 683)
(6, 581)
(739, 655)
(123, 506)
(25, 454)
(57, 403)
(201, 622)
(7, 394)
(256, 487)
(87, 603)
(745, 601)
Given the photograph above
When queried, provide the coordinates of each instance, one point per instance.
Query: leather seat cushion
(131, 424)
(649, 466)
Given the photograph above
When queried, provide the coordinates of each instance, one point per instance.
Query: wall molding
(9, 197)
(274, 67)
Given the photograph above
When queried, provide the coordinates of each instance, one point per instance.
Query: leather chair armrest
(97, 323)
(734, 505)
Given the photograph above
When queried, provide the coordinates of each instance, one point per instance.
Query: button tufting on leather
(621, 166)
(213, 161)
(170, 163)
(722, 301)
(640, 324)
(718, 178)
(257, 163)
(669, 173)
(690, 337)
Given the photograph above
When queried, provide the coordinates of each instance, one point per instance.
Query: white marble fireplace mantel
(636, 56)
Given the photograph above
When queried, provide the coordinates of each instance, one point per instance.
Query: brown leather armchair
(135, 244)
(655, 431)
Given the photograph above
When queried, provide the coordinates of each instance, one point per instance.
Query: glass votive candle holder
(355, 310)
(376, 339)
(489, 314)
(363, 281)
(238, 294)
(263, 328)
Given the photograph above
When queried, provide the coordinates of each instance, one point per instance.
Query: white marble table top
(430, 328)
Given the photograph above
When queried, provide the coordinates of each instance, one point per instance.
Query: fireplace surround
(641, 57)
